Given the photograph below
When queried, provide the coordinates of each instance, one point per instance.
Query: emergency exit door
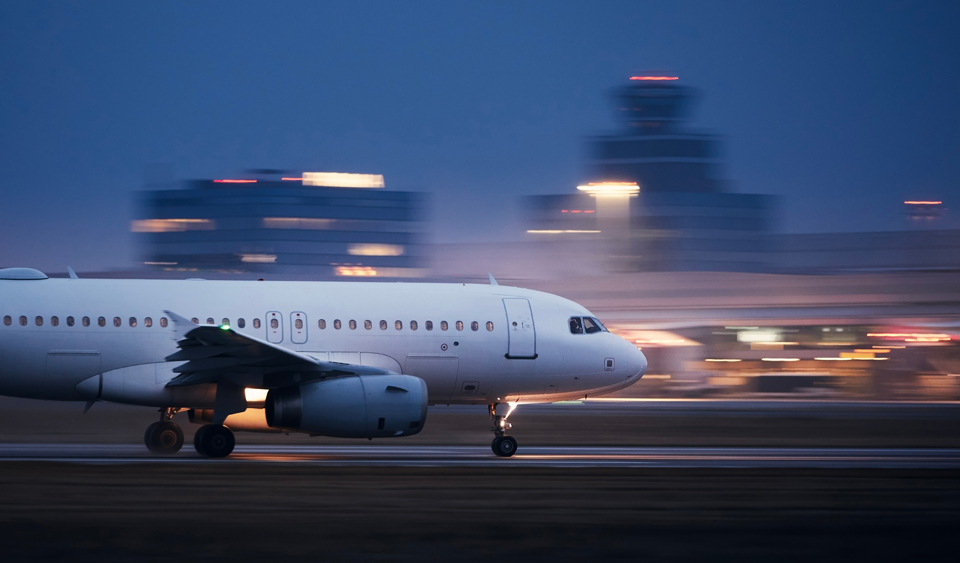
(523, 337)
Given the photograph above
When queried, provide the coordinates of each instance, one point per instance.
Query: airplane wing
(213, 354)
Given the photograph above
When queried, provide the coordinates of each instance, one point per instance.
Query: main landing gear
(502, 445)
(164, 437)
(214, 440)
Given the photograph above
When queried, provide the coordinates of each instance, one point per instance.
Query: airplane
(342, 359)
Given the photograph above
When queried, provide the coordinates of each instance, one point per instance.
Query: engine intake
(365, 406)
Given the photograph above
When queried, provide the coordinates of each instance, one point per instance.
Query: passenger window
(133, 321)
(489, 326)
(210, 320)
(459, 325)
(163, 322)
(85, 321)
(298, 324)
(474, 326)
(575, 326)
(256, 323)
(23, 321)
(322, 324)
(54, 321)
(428, 325)
(368, 325)
(589, 326)
(117, 322)
(383, 325)
(352, 324)
(241, 322)
(147, 322)
(336, 324)
(274, 324)
(398, 325)
(101, 321)
(195, 320)
(443, 325)
(226, 322)
(7, 320)
(413, 325)
(69, 321)
(39, 321)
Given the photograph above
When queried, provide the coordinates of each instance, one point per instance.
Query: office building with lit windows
(654, 195)
(314, 224)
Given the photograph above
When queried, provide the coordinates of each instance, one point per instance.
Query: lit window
(274, 324)
(209, 320)
(133, 321)
(23, 321)
(443, 325)
(413, 325)
(298, 324)
(383, 325)
(117, 321)
(39, 321)
(368, 325)
(195, 320)
(256, 323)
(226, 322)
(322, 324)
(459, 325)
(7, 320)
(69, 321)
(163, 322)
(398, 325)
(241, 322)
(428, 325)
(101, 321)
(85, 321)
(489, 326)
(474, 326)
(54, 321)
(147, 322)
(352, 324)
(336, 324)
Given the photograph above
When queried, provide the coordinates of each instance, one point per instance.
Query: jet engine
(365, 406)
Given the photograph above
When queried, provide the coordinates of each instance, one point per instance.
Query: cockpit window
(576, 327)
(590, 325)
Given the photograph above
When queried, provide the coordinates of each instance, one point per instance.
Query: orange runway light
(235, 181)
(654, 78)
(292, 179)
(923, 202)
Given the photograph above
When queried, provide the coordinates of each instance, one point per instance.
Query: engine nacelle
(365, 406)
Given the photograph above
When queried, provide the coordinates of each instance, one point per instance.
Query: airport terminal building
(314, 224)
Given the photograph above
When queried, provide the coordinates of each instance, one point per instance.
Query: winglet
(492, 281)
(73, 275)
(181, 326)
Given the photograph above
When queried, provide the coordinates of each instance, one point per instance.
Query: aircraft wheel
(163, 438)
(504, 446)
(214, 440)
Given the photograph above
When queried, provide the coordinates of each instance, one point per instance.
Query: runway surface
(479, 456)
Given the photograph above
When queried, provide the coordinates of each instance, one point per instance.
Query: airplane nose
(635, 361)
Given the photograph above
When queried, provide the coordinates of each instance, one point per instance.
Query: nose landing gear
(164, 437)
(502, 445)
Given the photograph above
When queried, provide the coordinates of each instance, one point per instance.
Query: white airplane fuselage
(500, 344)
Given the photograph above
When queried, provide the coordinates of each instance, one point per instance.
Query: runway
(480, 456)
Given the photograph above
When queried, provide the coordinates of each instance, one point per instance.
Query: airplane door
(298, 327)
(523, 336)
(274, 327)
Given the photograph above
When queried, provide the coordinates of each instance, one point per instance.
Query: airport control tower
(680, 215)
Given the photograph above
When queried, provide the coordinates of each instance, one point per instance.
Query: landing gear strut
(214, 440)
(502, 445)
(164, 437)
